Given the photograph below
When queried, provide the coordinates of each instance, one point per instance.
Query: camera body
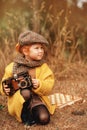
(19, 81)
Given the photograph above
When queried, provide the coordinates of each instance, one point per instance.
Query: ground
(64, 118)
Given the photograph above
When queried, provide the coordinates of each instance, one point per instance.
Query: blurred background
(62, 22)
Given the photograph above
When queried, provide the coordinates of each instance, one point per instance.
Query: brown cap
(30, 37)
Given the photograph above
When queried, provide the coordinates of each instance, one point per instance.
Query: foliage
(67, 43)
(1, 107)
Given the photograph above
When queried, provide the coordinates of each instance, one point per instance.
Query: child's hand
(6, 89)
(35, 83)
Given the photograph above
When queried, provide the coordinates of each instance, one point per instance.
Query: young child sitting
(29, 104)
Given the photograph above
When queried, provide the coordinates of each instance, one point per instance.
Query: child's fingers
(35, 83)
(6, 89)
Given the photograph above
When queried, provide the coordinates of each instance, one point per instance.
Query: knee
(26, 94)
(41, 115)
(44, 118)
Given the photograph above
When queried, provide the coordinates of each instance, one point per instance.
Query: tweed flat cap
(29, 37)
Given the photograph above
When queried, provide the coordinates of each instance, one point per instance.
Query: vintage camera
(19, 81)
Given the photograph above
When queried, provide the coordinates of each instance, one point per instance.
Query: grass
(67, 43)
(67, 57)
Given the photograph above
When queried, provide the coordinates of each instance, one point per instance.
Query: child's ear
(25, 50)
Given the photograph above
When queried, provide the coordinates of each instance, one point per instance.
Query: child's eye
(36, 47)
(42, 48)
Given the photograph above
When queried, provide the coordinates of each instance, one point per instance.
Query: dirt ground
(64, 118)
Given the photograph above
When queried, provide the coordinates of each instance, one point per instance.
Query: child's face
(35, 52)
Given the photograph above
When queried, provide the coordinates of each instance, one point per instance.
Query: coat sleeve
(7, 74)
(46, 78)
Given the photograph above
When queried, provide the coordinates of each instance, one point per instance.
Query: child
(30, 105)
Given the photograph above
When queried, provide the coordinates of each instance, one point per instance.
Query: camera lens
(23, 84)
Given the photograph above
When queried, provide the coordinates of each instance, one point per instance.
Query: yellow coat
(15, 102)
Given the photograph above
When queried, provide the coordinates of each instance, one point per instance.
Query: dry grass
(65, 58)
(71, 78)
(63, 119)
